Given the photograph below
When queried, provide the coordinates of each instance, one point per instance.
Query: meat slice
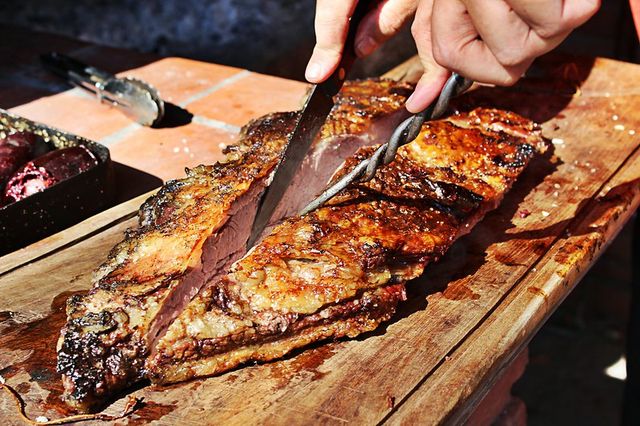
(189, 234)
(341, 270)
(206, 339)
(340, 138)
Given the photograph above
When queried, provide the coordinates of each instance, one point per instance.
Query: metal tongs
(406, 132)
(135, 98)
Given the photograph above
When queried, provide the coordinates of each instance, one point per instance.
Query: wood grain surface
(465, 319)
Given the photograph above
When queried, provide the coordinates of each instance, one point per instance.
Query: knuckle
(390, 23)
(551, 31)
(561, 26)
(416, 30)
(511, 57)
(443, 56)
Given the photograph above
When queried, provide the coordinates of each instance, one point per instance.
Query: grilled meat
(341, 269)
(189, 235)
(176, 299)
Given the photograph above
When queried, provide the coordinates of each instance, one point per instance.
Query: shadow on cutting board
(547, 88)
(131, 182)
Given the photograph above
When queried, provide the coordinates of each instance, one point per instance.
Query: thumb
(434, 76)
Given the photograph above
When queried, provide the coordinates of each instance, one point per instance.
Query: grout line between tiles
(209, 122)
(226, 82)
(118, 135)
(81, 93)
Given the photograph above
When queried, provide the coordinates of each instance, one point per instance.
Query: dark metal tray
(61, 205)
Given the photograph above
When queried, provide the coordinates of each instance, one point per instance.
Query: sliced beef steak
(341, 269)
(189, 234)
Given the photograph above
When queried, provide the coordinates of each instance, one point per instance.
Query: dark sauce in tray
(47, 170)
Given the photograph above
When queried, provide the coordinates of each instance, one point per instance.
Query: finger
(457, 47)
(331, 24)
(427, 90)
(382, 23)
(577, 12)
(551, 18)
(434, 76)
(511, 41)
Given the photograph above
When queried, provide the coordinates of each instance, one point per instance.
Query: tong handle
(136, 99)
(74, 71)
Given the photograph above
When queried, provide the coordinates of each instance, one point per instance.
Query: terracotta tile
(179, 79)
(75, 113)
(166, 152)
(250, 97)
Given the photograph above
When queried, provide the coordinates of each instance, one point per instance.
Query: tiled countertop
(217, 100)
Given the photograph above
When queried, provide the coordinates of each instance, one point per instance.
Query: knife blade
(310, 121)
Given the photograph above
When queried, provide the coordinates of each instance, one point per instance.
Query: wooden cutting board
(465, 320)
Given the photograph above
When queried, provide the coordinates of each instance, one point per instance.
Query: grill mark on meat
(180, 245)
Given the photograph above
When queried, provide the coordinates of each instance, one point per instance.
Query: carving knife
(313, 115)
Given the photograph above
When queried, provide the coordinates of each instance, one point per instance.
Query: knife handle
(336, 79)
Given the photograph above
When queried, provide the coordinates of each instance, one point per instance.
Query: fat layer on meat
(190, 233)
(304, 280)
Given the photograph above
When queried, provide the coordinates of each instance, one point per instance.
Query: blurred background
(274, 36)
(576, 370)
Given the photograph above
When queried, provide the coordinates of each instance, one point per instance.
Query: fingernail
(313, 71)
(409, 100)
(366, 46)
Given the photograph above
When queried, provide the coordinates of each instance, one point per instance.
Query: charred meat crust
(395, 218)
(143, 278)
(369, 307)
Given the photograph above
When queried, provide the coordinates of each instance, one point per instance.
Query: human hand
(492, 41)
(489, 41)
